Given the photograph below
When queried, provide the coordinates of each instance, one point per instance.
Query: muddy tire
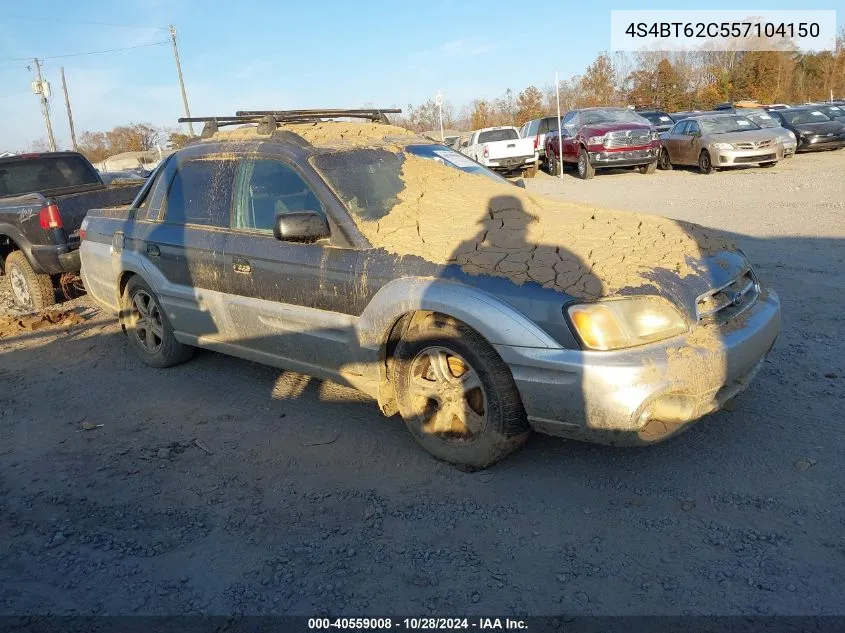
(150, 333)
(705, 165)
(650, 168)
(456, 396)
(585, 169)
(30, 290)
(552, 166)
(663, 161)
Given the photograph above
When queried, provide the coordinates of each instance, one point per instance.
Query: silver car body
(689, 138)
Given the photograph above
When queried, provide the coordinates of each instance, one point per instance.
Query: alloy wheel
(146, 322)
(19, 287)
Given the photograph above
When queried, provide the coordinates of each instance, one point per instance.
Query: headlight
(596, 140)
(618, 323)
(723, 146)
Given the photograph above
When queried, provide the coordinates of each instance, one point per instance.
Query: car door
(287, 302)
(184, 248)
(692, 143)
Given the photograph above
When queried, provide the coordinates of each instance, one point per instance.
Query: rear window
(201, 193)
(491, 136)
(46, 173)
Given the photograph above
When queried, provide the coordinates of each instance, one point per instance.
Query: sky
(278, 54)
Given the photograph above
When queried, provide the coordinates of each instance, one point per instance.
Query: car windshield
(833, 111)
(761, 118)
(797, 117)
(620, 115)
(657, 118)
(45, 173)
(369, 180)
(491, 136)
(727, 124)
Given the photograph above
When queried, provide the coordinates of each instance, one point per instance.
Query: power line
(110, 50)
(130, 26)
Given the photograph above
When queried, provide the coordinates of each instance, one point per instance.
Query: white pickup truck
(500, 148)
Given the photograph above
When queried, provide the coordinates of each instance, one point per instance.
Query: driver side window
(266, 187)
(693, 129)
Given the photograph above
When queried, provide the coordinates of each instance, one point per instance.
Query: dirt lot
(223, 487)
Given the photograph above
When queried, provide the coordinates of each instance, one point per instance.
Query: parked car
(767, 121)
(598, 138)
(43, 198)
(502, 149)
(716, 141)
(537, 129)
(814, 130)
(832, 111)
(660, 121)
(276, 248)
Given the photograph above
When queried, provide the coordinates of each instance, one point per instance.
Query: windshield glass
(369, 180)
(726, 124)
(833, 111)
(760, 117)
(612, 116)
(657, 118)
(491, 136)
(28, 175)
(797, 117)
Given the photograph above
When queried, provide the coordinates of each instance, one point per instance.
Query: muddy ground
(223, 487)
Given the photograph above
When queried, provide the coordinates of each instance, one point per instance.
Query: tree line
(669, 81)
(134, 137)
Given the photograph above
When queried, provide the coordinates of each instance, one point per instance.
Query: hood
(822, 127)
(596, 129)
(767, 134)
(450, 217)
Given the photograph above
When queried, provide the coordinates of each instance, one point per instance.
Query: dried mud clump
(449, 216)
(328, 133)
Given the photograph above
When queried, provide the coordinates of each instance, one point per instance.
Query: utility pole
(181, 81)
(69, 113)
(45, 107)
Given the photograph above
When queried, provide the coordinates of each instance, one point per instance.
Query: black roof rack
(268, 119)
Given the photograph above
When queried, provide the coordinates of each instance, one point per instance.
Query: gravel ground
(225, 487)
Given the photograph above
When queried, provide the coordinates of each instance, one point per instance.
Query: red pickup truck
(596, 138)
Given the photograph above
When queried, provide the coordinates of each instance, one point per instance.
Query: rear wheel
(150, 333)
(663, 161)
(30, 290)
(585, 169)
(552, 165)
(705, 165)
(456, 396)
(650, 168)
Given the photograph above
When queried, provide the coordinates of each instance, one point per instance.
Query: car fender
(497, 321)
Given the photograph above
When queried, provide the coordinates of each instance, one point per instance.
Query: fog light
(722, 159)
(673, 408)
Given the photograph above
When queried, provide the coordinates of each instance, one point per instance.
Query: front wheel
(663, 161)
(585, 169)
(705, 165)
(456, 395)
(150, 333)
(30, 290)
(648, 169)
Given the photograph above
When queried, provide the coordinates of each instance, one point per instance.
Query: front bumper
(624, 157)
(820, 143)
(732, 157)
(645, 394)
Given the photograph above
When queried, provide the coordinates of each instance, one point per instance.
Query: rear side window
(201, 192)
(28, 175)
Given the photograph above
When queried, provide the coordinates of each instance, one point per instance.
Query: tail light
(536, 142)
(49, 217)
(83, 235)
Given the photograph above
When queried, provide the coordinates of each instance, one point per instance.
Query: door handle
(241, 265)
(153, 250)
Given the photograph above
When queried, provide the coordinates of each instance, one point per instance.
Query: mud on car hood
(449, 217)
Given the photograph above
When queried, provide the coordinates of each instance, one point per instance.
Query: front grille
(746, 145)
(627, 138)
(725, 303)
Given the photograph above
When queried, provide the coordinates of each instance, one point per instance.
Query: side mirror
(301, 226)
(519, 182)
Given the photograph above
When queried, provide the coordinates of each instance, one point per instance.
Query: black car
(661, 121)
(813, 129)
